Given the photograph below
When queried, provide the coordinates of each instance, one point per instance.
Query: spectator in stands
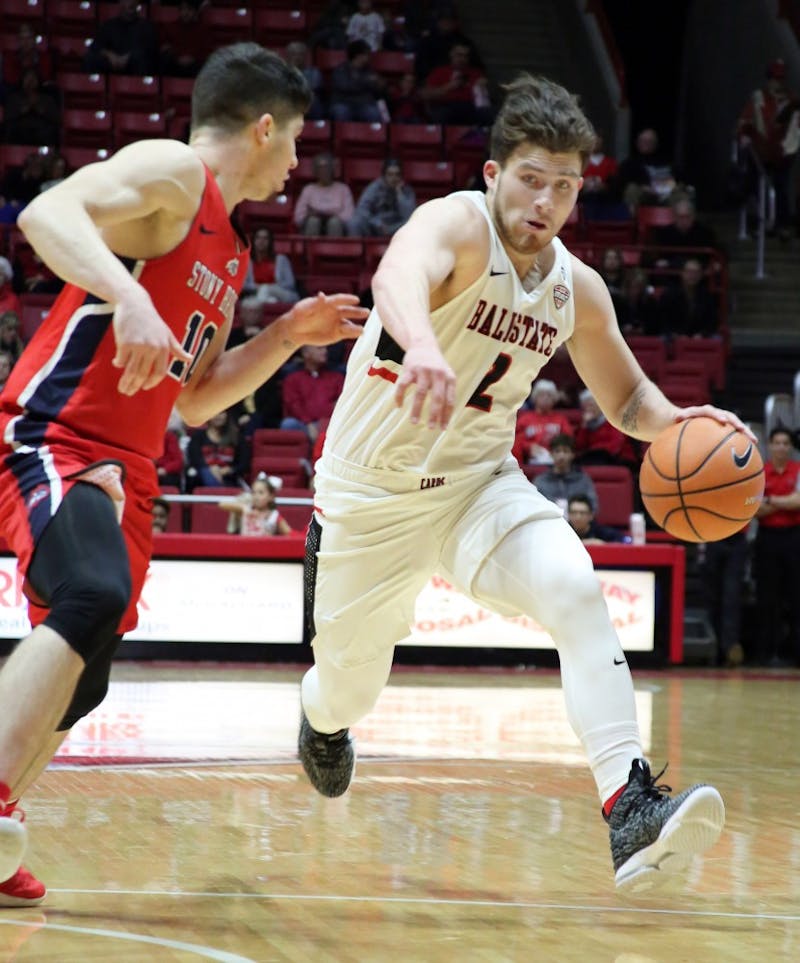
(270, 278)
(123, 44)
(37, 278)
(435, 44)
(9, 300)
(646, 176)
(325, 206)
(580, 515)
(770, 124)
(688, 307)
(254, 513)
(565, 479)
(6, 364)
(777, 555)
(597, 442)
(330, 30)
(56, 170)
(310, 393)
(32, 114)
(722, 565)
(641, 313)
(366, 24)
(22, 184)
(170, 466)
(406, 105)
(355, 88)
(457, 93)
(613, 272)
(398, 37)
(537, 426)
(215, 456)
(686, 231)
(10, 341)
(385, 204)
(161, 513)
(27, 56)
(185, 43)
(298, 55)
(599, 195)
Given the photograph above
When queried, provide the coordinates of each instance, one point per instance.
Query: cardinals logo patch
(560, 296)
(232, 266)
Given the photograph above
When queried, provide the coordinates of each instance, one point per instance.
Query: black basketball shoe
(654, 835)
(329, 760)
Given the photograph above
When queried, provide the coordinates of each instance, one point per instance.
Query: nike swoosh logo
(494, 274)
(619, 662)
(205, 230)
(741, 460)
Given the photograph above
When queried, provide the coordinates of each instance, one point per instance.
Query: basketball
(701, 480)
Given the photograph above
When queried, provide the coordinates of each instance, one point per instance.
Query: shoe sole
(14, 902)
(694, 827)
(13, 840)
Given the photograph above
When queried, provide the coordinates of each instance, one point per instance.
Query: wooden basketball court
(179, 827)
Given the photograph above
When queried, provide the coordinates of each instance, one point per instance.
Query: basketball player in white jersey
(472, 297)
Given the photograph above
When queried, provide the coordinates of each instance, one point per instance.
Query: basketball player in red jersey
(153, 267)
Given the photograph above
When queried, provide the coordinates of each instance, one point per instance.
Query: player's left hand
(718, 414)
(325, 319)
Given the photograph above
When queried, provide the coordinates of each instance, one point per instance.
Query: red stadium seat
(614, 487)
(317, 136)
(16, 12)
(429, 178)
(467, 148)
(610, 233)
(276, 214)
(141, 94)
(131, 126)
(416, 141)
(175, 517)
(326, 59)
(360, 171)
(80, 156)
(650, 217)
(392, 64)
(293, 471)
(87, 128)
(356, 139)
(228, 24)
(531, 471)
(276, 27)
(72, 18)
(70, 50)
(281, 441)
(176, 93)
(651, 353)
(374, 249)
(329, 283)
(338, 257)
(81, 91)
(711, 351)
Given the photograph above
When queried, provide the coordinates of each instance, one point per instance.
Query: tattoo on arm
(630, 417)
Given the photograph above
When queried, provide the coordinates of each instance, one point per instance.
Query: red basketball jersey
(64, 387)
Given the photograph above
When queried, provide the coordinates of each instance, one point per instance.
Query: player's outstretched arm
(432, 257)
(223, 378)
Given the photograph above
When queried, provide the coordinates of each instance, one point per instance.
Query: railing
(743, 157)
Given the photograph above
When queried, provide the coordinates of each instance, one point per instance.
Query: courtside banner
(445, 617)
(194, 601)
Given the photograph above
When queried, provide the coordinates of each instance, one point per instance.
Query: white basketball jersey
(495, 335)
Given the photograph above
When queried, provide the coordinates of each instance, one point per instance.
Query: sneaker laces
(326, 746)
(650, 785)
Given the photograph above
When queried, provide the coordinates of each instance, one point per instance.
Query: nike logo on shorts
(205, 230)
(494, 274)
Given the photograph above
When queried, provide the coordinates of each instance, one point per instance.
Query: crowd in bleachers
(400, 114)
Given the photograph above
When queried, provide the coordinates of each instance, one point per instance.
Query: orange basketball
(702, 481)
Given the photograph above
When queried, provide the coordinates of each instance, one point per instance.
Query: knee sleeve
(80, 570)
(93, 683)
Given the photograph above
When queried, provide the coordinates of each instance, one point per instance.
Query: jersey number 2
(480, 399)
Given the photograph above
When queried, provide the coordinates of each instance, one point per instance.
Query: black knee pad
(80, 570)
(93, 683)
(87, 608)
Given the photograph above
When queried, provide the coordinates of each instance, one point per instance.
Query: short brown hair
(539, 111)
(240, 82)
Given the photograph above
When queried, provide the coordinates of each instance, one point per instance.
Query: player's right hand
(145, 345)
(425, 367)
